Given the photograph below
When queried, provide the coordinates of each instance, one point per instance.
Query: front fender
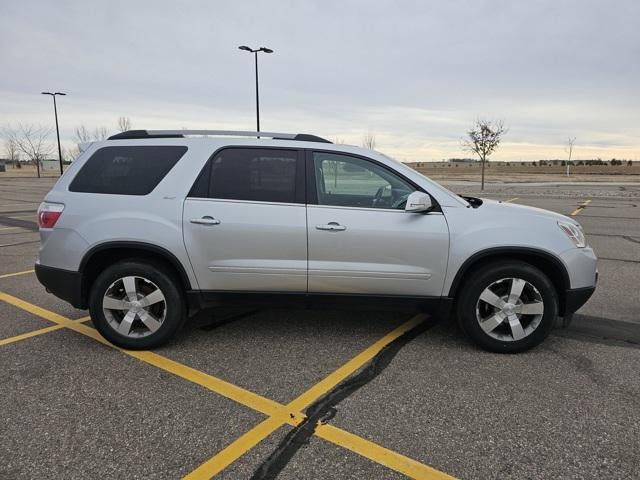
(478, 233)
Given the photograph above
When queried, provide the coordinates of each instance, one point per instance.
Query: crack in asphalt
(18, 243)
(14, 222)
(629, 238)
(609, 217)
(602, 330)
(324, 409)
(17, 212)
(602, 380)
(619, 259)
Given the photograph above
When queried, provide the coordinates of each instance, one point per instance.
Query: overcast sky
(414, 73)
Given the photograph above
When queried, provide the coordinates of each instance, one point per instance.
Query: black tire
(175, 305)
(481, 278)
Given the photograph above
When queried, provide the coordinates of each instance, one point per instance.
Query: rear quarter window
(123, 170)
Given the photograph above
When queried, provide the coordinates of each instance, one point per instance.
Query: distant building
(462, 161)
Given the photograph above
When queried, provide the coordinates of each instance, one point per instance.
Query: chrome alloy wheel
(134, 306)
(509, 309)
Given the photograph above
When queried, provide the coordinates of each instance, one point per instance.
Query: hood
(502, 208)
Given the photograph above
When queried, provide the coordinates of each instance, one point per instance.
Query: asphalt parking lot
(230, 398)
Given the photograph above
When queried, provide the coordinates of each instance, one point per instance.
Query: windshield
(460, 198)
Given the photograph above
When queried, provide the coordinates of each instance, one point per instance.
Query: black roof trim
(305, 137)
(133, 134)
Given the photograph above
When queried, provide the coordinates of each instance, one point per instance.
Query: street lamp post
(255, 52)
(55, 112)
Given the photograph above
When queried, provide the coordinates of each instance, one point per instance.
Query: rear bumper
(64, 284)
(576, 298)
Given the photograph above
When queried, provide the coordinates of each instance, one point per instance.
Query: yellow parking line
(322, 387)
(9, 228)
(242, 445)
(383, 456)
(278, 414)
(236, 449)
(511, 200)
(580, 208)
(240, 395)
(7, 275)
(35, 333)
(226, 389)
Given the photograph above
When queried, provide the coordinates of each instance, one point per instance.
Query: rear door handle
(206, 220)
(331, 226)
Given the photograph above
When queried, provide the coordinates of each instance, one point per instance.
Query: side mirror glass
(418, 202)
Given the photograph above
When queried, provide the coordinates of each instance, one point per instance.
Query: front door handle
(332, 226)
(206, 220)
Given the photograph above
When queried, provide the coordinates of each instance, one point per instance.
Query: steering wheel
(377, 198)
(402, 199)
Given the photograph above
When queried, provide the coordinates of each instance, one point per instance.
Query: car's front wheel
(507, 307)
(136, 305)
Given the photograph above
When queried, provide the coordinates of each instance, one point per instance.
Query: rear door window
(134, 170)
(254, 174)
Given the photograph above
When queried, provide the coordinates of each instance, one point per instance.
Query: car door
(361, 241)
(244, 221)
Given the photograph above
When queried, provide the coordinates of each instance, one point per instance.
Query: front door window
(346, 181)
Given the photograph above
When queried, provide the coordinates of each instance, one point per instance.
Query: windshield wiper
(473, 201)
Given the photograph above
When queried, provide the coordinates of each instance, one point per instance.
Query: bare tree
(570, 142)
(72, 153)
(11, 151)
(82, 134)
(369, 141)
(124, 124)
(69, 154)
(100, 133)
(484, 138)
(33, 141)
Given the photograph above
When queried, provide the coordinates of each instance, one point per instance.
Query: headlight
(574, 232)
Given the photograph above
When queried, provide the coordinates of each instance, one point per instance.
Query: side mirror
(418, 202)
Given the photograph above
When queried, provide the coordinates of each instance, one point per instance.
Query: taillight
(49, 213)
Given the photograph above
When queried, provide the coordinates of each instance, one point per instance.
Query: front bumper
(64, 284)
(575, 298)
(582, 267)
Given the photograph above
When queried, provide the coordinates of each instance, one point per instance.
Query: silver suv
(148, 228)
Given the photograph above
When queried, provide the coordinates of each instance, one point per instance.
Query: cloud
(416, 73)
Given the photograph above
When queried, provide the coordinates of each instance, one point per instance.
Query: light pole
(55, 112)
(255, 52)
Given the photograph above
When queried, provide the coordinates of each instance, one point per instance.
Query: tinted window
(265, 175)
(347, 181)
(126, 170)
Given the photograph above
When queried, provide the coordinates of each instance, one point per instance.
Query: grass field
(530, 173)
(493, 173)
(27, 171)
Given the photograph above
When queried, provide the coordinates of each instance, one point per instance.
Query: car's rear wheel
(136, 305)
(507, 307)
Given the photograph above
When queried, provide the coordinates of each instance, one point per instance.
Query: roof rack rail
(133, 134)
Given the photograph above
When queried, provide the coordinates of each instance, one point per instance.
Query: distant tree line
(456, 162)
(33, 143)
